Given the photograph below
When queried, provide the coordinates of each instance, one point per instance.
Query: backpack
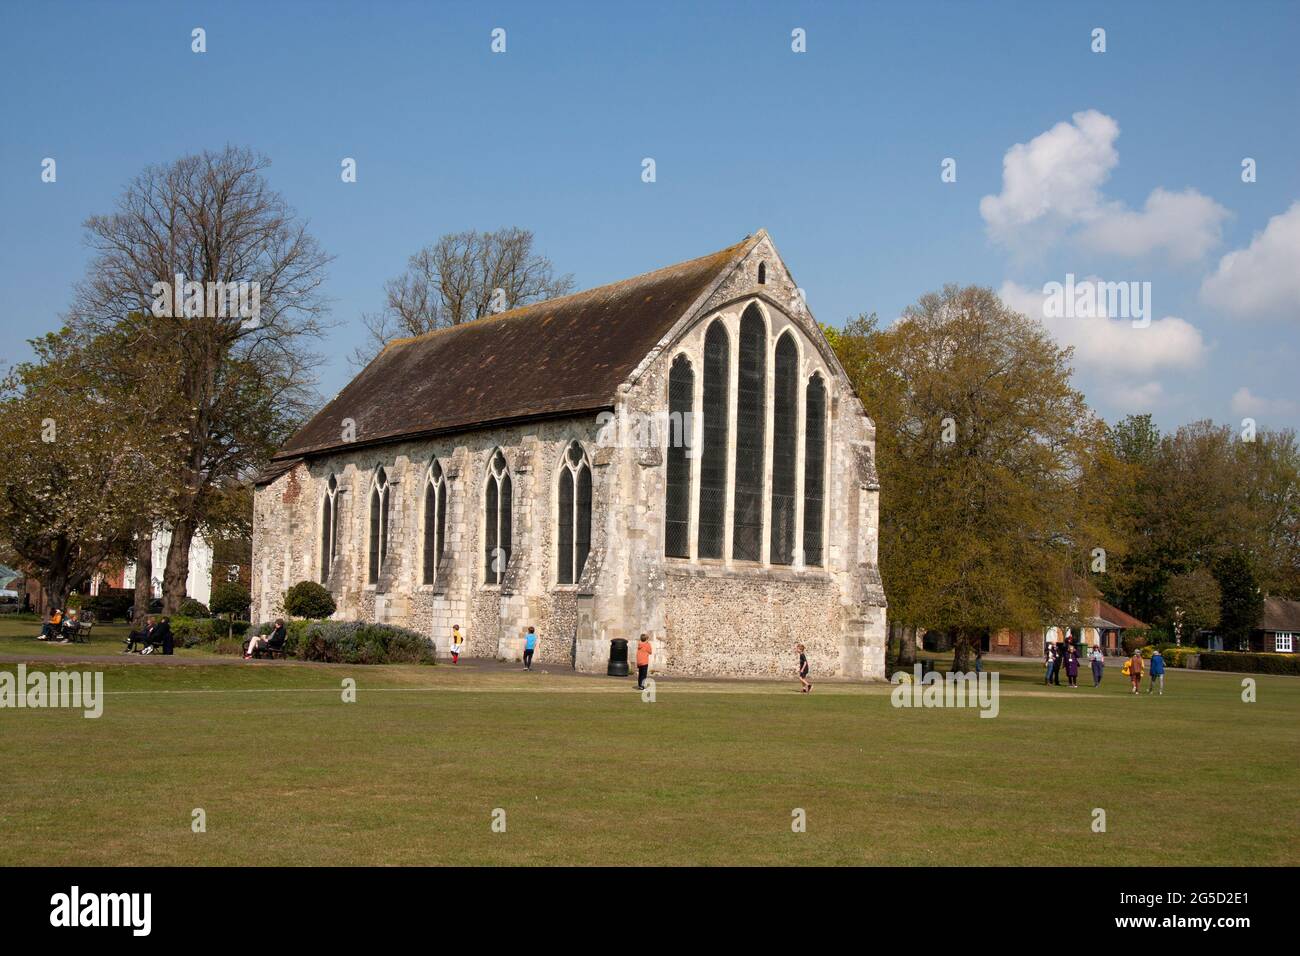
(1127, 665)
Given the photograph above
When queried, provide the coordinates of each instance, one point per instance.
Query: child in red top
(644, 650)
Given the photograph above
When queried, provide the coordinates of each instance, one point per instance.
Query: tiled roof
(561, 356)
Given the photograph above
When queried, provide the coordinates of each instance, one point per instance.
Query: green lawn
(18, 636)
(589, 774)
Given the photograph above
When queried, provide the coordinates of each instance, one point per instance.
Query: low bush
(1251, 663)
(192, 608)
(353, 642)
(105, 609)
(193, 631)
(1177, 656)
(229, 645)
(1133, 641)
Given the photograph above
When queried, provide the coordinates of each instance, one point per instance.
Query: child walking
(457, 643)
(530, 645)
(803, 671)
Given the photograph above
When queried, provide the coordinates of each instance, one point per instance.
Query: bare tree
(461, 277)
(243, 375)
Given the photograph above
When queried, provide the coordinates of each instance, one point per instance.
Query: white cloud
(1187, 225)
(1139, 395)
(1262, 280)
(1055, 179)
(1245, 402)
(1115, 346)
(1051, 188)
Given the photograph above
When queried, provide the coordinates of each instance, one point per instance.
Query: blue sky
(835, 151)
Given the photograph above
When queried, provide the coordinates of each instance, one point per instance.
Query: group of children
(644, 652)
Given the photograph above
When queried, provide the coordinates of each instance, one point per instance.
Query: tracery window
(573, 532)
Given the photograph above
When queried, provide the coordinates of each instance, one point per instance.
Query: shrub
(192, 631)
(1250, 663)
(1133, 641)
(353, 642)
(229, 645)
(108, 608)
(192, 608)
(309, 600)
(230, 597)
(1177, 656)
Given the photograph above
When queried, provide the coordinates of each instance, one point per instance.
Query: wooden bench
(265, 650)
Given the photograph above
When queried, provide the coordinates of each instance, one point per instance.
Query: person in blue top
(1157, 671)
(530, 645)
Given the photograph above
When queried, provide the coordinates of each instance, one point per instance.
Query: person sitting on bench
(160, 638)
(50, 629)
(71, 626)
(274, 642)
(140, 637)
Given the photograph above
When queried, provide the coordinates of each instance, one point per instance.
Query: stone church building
(678, 454)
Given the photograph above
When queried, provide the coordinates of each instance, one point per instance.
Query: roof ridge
(518, 311)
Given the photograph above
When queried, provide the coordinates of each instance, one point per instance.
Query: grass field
(17, 635)
(589, 774)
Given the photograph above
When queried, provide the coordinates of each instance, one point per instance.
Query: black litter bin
(617, 658)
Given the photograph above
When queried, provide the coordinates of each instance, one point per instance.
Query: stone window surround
(330, 500)
(385, 527)
(507, 472)
(809, 363)
(442, 492)
(553, 572)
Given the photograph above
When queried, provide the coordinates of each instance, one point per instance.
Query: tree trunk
(907, 646)
(143, 575)
(177, 570)
(963, 649)
(56, 585)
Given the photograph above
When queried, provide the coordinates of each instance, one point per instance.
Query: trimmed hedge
(1250, 663)
(1177, 656)
(353, 642)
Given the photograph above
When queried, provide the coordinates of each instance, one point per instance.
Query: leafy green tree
(982, 449)
(230, 598)
(78, 468)
(1194, 600)
(310, 600)
(1241, 603)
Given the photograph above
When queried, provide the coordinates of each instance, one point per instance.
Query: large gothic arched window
(677, 495)
(785, 449)
(496, 519)
(751, 422)
(814, 457)
(378, 524)
(435, 521)
(329, 524)
(573, 532)
(713, 456)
